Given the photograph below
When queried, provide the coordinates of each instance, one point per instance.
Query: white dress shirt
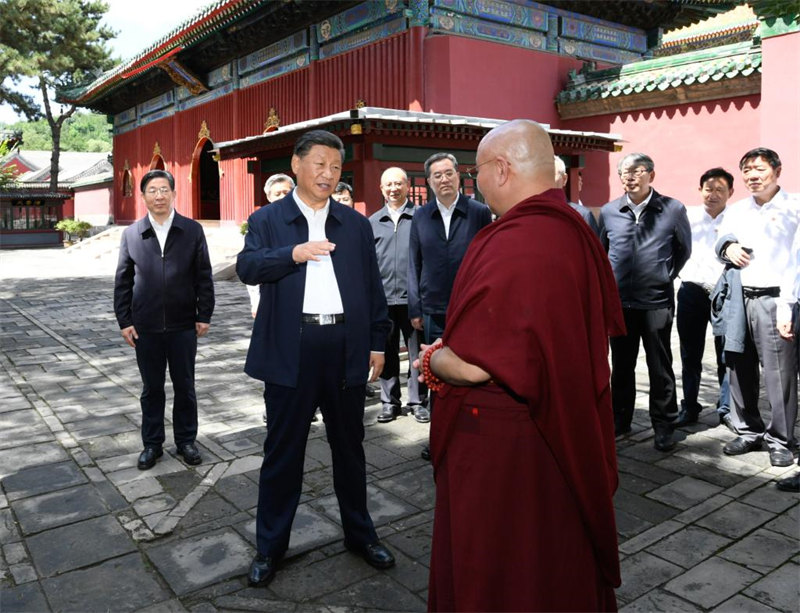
(703, 266)
(770, 230)
(162, 229)
(395, 213)
(447, 215)
(321, 295)
(638, 209)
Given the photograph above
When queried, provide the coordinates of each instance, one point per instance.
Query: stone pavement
(83, 530)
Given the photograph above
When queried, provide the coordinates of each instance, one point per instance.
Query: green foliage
(81, 132)
(243, 228)
(7, 175)
(59, 44)
(74, 228)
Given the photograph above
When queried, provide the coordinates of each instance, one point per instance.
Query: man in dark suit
(163, 300)
(648, 240)
(441, 231)
(320, 329)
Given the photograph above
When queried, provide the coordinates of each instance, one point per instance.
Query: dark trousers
(433, 328)
(694, 310)
(390, 377)
(154, 353)
(289, 411)
(653, 327)
(764, 347)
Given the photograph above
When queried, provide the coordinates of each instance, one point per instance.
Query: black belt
(758, 292)
(323, 319)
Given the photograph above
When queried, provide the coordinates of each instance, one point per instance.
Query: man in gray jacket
(391, 226)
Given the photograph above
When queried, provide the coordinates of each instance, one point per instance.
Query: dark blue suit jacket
(163, 294)
(433, 260)
(273, 232)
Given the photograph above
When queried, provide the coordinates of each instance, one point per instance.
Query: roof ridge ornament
(273, 121)
(204, 131)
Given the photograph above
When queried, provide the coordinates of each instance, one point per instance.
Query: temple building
(220, 100)
(30, 209)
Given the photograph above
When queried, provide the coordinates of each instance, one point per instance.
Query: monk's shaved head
(524, 160)
(526, 144)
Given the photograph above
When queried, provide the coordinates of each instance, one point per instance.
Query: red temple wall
(369, 73)
(377, 73)
(684, 141)
(466, 76)
(780, 108)
(484, 79)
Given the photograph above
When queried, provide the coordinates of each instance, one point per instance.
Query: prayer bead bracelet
(433, 382)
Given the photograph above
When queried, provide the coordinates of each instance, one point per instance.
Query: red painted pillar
(416, 77)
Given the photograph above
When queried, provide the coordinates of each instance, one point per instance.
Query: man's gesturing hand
(310, 250)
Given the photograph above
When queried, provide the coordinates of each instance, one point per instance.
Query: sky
(138, 24)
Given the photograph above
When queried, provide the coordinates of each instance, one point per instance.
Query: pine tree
(59, 44)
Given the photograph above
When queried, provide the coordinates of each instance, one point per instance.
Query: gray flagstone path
(83, 530)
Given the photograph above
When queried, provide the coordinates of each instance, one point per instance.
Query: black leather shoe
(375, 554)
(262, 570)
(388, 413)
(425, 454)
(781, 457)
(148, 457)
(725, 420)
(663, 440)
(422, 414)
(739, 446)
(789, 484)
(190, 454)
(686, 417)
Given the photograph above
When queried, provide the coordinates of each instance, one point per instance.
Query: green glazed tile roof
(727, 62)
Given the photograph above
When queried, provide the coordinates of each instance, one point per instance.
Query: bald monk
(522, 439)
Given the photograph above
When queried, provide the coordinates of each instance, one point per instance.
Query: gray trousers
(764, 347)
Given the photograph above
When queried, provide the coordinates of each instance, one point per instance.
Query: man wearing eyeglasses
(163, 301)
(441, 231)
(648, 239)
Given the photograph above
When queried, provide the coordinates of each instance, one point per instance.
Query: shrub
(73, 227)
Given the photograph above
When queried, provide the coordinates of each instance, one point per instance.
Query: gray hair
(278, 178)
(438, 157)
(636, 159)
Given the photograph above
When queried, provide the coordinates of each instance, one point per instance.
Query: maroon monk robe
(525, 466)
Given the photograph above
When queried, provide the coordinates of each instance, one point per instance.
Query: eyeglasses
(447, 174)
(633, 174)
(472, 173)
(158, 190)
